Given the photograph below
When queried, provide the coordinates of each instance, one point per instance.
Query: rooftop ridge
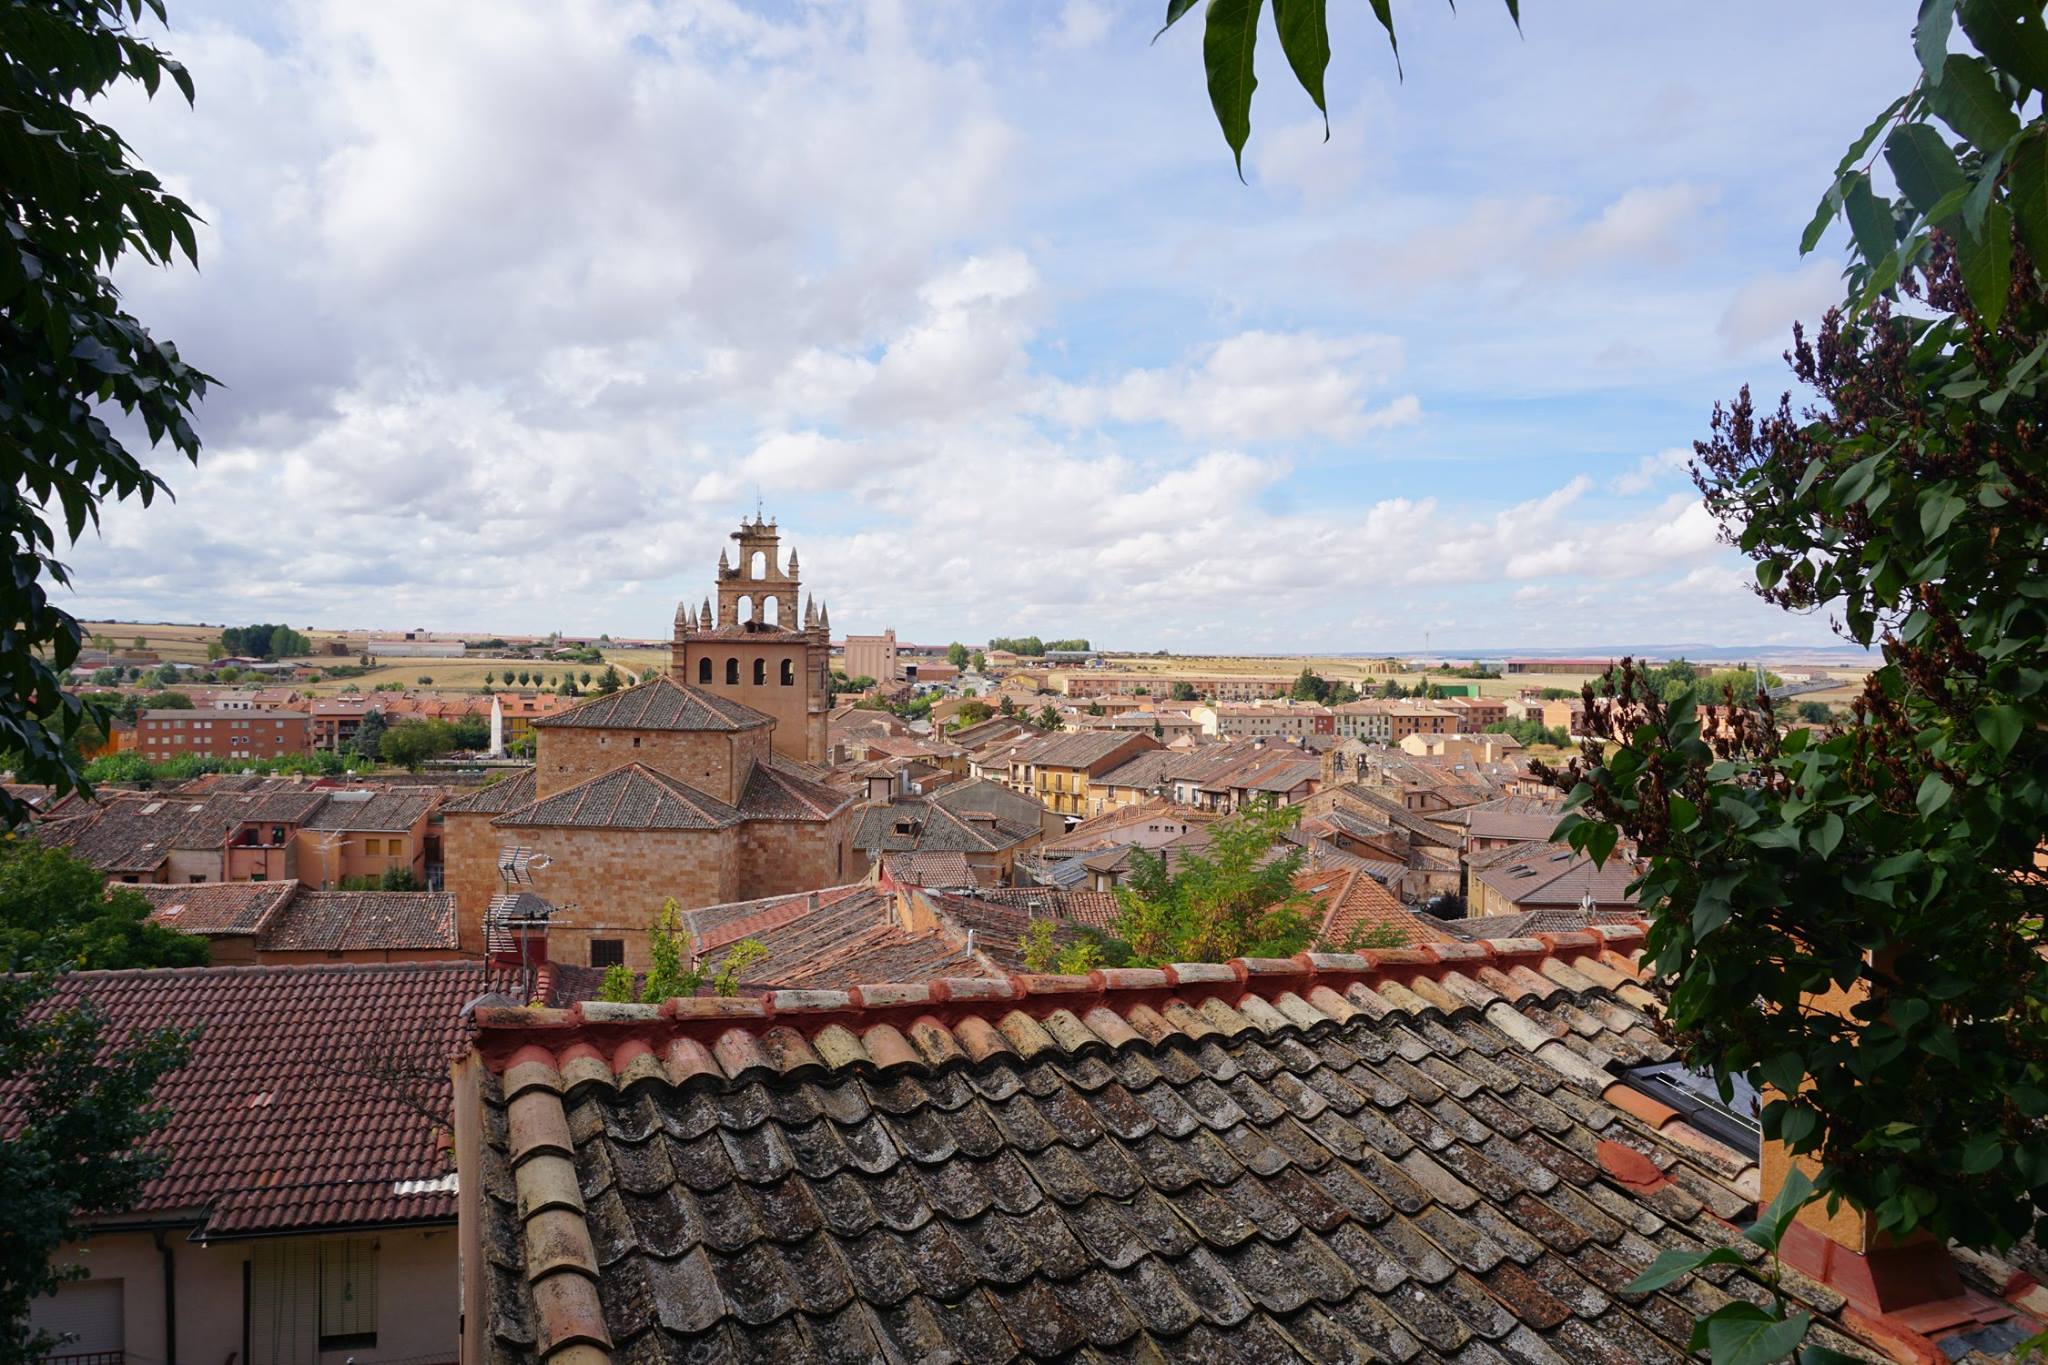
(624, 1039)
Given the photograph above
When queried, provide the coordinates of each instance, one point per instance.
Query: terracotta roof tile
(1228, 1161)
(210, 909)
(363, 921)
(631, 797)
(775, 791)
(497, 798)
(660, 703)
(275, 1124)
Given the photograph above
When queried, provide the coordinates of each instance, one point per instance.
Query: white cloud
(1256, 386)
(1651, 471)
(1764, 309)
(1083, 23)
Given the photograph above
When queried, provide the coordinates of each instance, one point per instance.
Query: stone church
(698, 784)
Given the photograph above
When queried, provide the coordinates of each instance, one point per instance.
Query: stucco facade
(257, 1301)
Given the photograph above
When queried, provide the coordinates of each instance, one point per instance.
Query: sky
(519, 306)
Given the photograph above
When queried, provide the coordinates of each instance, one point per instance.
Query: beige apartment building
(873, 656)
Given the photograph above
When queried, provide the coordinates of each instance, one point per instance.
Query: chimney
(1877, 1272)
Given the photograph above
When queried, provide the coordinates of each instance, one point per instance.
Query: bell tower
(756, 647)
(757, 589)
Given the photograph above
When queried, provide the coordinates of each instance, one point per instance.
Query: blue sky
(520, 306)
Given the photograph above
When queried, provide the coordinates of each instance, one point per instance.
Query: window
(636, 741)
(760, 672)
(703, 670)
(348, 1294)
(732, 671)
(607, 952)
(788, 673)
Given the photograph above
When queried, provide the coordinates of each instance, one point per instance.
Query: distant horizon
(1652, 650)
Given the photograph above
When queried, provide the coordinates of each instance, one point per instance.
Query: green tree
(413, 742)
(1184, 691)
(57, 912)
(1815, 712)
(1007, 706)
(369, 739)
(972, 713)
(471, 732)
(1094, 708)
(608, 681)
(398, 879)
(215, 650)
(584, 677)
(1235, 898)
(1048, 718)
(489, 678)
(1045, 950)
(426, 680)
(83, 1111)
(977, 661)
(1894, 860)
(956, 654)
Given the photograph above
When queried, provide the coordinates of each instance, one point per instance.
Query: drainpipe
(170, 1299)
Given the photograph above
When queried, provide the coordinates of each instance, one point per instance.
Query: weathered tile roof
(631, 797)
(1406, 1155)
(210, 826)
(1096, 909)
(363, 921)
(212, 909)
(497, 798)
(861, 938)
(935, 829)
(1554, 920)
(277, 1123)
(979, 796)
(393, 809)
(946, 870)
(1080, 748)
(121, 834)
(1534, 875)
(1353, 901)
(660, 703)
(777, 792)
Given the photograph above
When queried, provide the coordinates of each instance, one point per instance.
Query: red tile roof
(363, 921)
(274, 1125)
(212, 909)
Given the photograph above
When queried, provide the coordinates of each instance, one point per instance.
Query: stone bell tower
(755, 647)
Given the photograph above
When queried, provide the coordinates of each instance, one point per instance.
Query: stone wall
(715, 762)
(780, 856)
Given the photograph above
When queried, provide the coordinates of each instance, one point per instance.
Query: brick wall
(715, 762)
(469, 853)
(780, 856)
(611, 883)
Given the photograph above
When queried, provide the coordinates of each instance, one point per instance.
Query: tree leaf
(1673, 1266)
(1741, 1339)
(2026, 191)
(1986, 263)
(1969, 101)
(1769, 1228)
(1305, 38)
(1383, 11)
(1930, 36)
(1870, 218)
(1925, 167)
(1827, 835)
(2000, 726)
(1932, 796)
(1174, 10)
(2010, 34)
(1981, 1153)
(1228, 40)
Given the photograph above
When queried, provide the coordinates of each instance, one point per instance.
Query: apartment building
(221, 733)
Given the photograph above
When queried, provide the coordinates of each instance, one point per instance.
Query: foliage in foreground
(80, 1113)
(1893, 859)
(1235, 898)
(72, 205)
(668, 948)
